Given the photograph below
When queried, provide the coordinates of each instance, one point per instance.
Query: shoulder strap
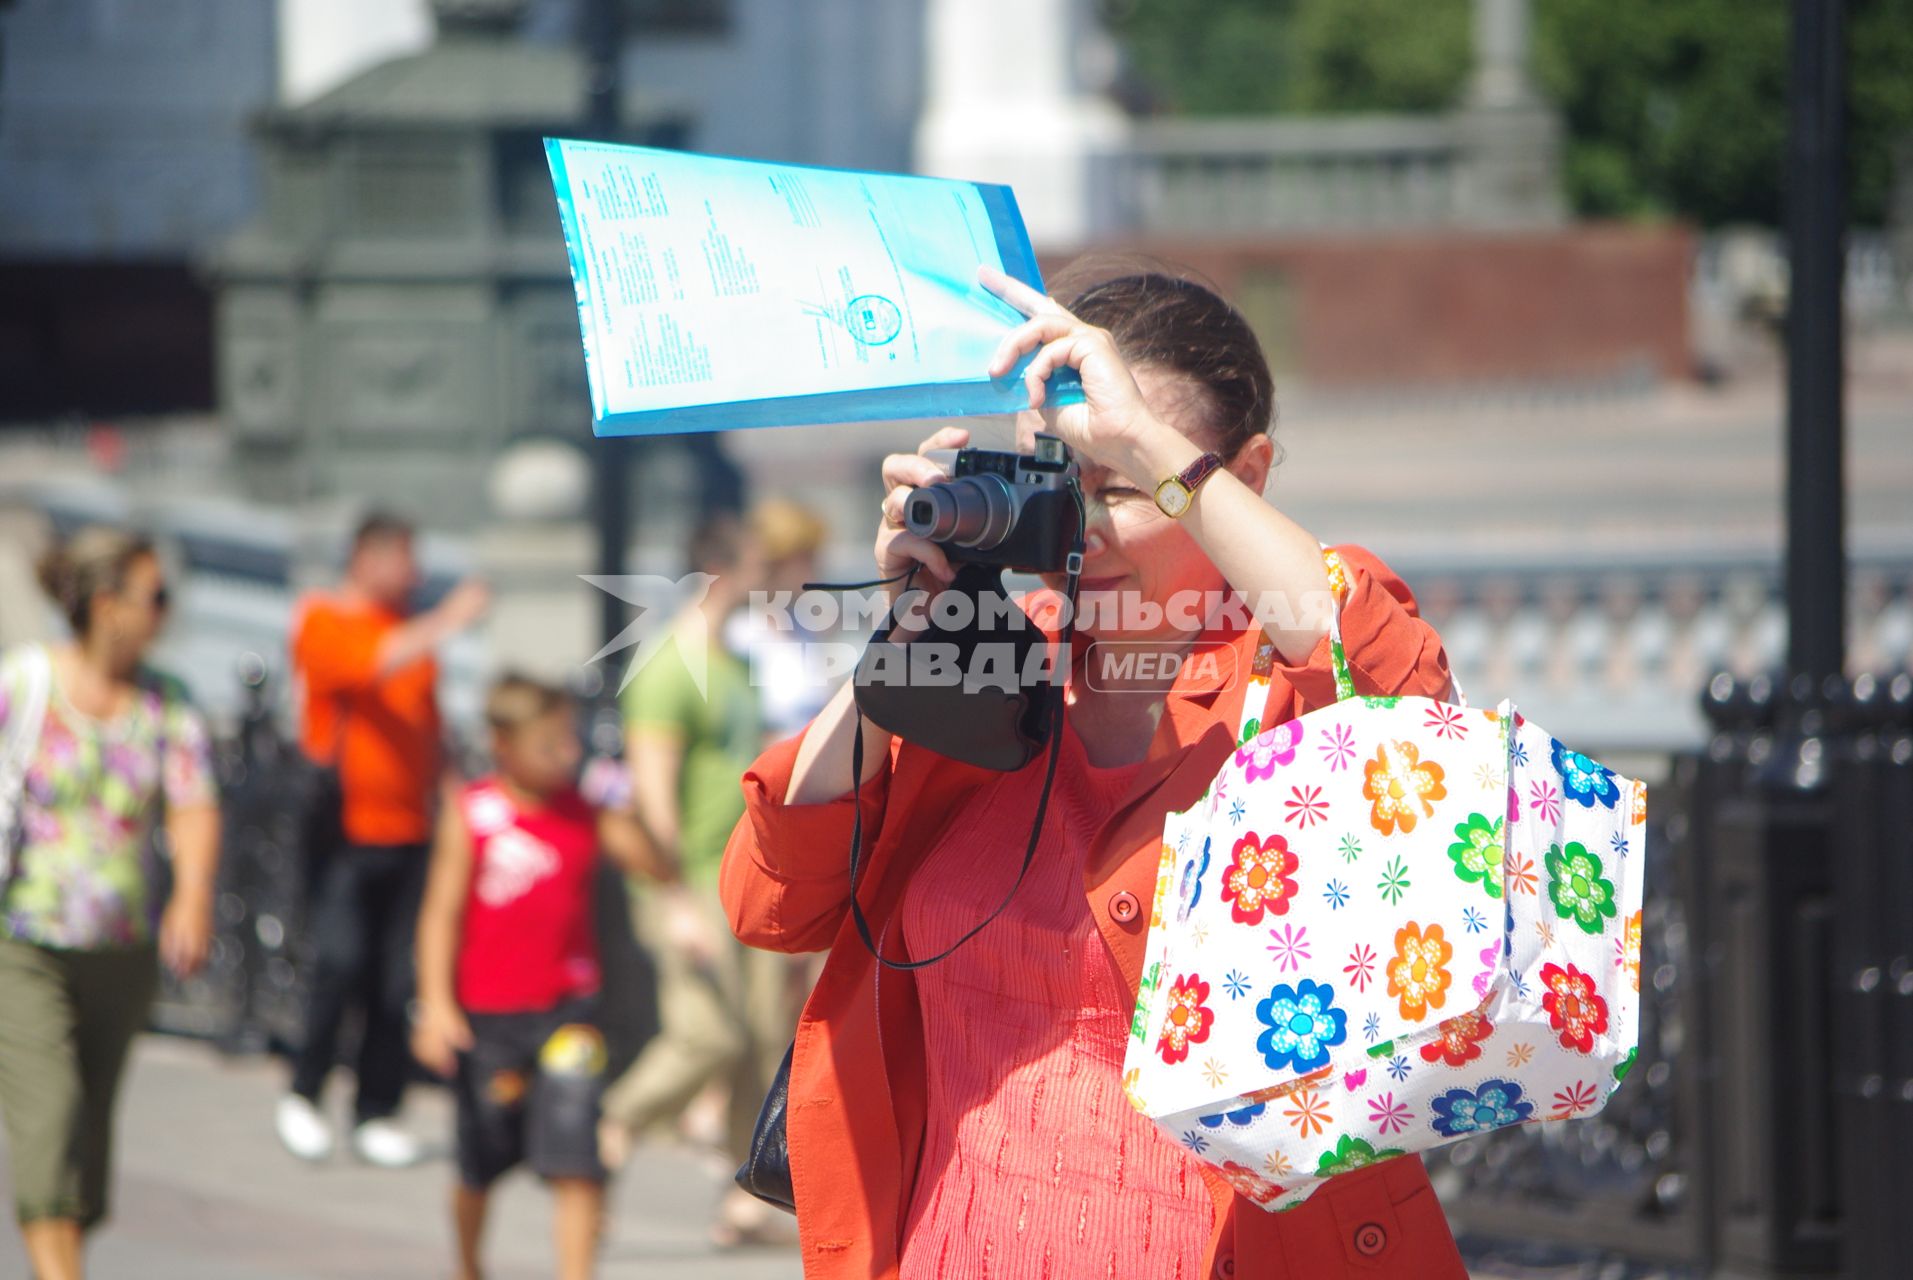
(33, 668)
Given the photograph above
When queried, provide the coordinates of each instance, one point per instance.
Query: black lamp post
(601, 30)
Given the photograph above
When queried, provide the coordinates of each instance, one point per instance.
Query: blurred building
(123, 153)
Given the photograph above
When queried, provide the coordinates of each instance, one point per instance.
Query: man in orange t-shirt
(370, 708)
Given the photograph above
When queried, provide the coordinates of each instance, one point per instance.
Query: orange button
(1123, 907)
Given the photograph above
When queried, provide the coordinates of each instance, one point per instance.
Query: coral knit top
(1034, 1163)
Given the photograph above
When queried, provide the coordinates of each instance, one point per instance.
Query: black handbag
(765, 1172)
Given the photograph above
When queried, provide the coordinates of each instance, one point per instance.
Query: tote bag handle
(1338, 582)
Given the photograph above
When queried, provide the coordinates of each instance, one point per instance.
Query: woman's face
(131, 617)
(1152, 581)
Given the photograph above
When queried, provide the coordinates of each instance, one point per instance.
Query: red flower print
(1573, 1007)
(1309, 1114)
(1247, 1182)
(1399, 782)
(1188, 1020)
(1387, 1114)
(1307, 807)
(1360, 967)
(1446, 721)
(1459, 1041)
(1258, 878)
(1418, 974)
(1573, 1101)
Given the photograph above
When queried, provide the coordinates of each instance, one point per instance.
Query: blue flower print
(1195, 1142)
(1240, 1118)
(1495, 1105)
(1372, 1026)
(1236, 984)
(1336, 895)
(1398, 1067)
(1303, 1025)
(1583, 779)
(1236, 809)
(1192, 873)
(1475, 921)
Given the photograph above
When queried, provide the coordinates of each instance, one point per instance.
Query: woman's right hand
(440, 1035)
(897, 548)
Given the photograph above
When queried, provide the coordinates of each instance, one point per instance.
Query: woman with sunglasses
(103, 750)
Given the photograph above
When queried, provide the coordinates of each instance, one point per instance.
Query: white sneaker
(382, 1143)
(303, 1128)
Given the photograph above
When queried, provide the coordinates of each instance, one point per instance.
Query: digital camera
(1011, 510)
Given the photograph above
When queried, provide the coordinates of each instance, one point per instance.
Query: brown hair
(516, 699)
(1164, 317)
(380, 526)
(94, 559)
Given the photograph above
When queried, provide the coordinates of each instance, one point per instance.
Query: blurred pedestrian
(771, 634)
(691, 727)
(370, 695)
(508, 969)
(99, 750)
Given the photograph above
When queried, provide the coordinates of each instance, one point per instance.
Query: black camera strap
(1054, 723)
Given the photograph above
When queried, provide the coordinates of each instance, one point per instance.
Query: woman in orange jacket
(969, 1118)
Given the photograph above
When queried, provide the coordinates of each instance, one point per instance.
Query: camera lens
(976, 511)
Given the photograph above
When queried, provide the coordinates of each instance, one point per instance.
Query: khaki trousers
(728, 1022)
(67, 1019)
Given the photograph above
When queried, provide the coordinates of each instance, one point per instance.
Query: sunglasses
(161, 598)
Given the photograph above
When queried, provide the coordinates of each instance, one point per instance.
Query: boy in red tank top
(508, 969)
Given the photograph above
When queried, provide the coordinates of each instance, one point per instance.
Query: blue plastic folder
(716, 294)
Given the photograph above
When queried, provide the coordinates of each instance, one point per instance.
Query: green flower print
(1626, 1064)
(1575, 884)
(1352, 1153)
(1477, 853)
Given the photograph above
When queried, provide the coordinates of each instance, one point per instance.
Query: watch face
(1172, 496)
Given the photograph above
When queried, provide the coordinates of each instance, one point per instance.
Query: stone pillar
(1510, 138)
(1003, 102)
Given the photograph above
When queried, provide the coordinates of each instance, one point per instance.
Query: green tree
(1671, 107)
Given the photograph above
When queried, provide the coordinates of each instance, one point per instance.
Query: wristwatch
(1174, 495)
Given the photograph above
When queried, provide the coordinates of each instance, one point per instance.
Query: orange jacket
(857, 1084)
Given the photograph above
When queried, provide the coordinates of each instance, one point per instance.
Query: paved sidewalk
(205, 1193)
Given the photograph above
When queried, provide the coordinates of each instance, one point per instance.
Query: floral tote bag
(1388, 924)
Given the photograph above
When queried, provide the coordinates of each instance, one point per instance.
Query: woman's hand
(1114, 419)
(186, 930)
(897, 548)
(440, 1035)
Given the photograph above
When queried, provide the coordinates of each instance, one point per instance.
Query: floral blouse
(83, 875)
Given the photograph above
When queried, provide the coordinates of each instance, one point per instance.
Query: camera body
(1009, 510)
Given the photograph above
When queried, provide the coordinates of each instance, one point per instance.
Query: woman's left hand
(185, 931)
(1114, 418)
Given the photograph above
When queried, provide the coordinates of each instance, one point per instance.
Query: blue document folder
(716, 294)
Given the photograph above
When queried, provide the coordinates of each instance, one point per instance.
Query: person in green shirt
(691, 729)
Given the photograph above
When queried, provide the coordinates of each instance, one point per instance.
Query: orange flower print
(1629, 946)
(1419, 972)
(1518, 874)
(1459, 1041)
(1258, 878)
(1279, 1091)
(1309, 1114)
(1573, 1007)
(1637, 806)
(1188, 1020)
(1401, 783)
